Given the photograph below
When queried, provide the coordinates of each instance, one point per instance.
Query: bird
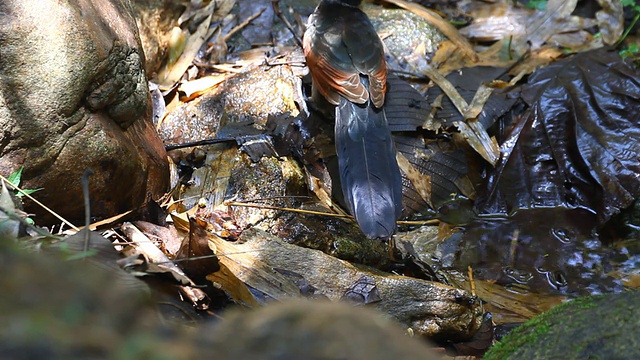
(346, 59)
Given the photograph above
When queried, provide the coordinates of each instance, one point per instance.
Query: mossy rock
(597, 327)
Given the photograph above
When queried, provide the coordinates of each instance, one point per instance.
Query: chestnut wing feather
(339, 53)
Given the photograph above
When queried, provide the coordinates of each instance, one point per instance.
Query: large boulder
(597, 327)
(74, 95)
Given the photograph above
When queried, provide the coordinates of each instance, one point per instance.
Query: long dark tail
(371, 180)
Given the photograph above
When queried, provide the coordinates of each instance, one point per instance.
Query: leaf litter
(566, 138)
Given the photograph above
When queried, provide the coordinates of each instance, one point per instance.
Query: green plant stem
(628, 29)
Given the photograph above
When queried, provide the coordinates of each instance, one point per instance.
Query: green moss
(363, 251)
(594, 327)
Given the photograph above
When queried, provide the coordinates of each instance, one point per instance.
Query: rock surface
(598, 327)
(314, 330)
(56, 308)
(428, 308)
(74, 95)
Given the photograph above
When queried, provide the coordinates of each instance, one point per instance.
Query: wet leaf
(578, 144)
(442, 172)
(509, 305)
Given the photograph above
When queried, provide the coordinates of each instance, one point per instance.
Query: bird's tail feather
(369, 173)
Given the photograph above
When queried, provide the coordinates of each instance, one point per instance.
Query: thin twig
(472, 283)
(39, 203)
(280, 15)
(419, 222)
(513, 247)
(170, 147)
(87, 207)
(320, 213)
(300, 211)
(243, 24)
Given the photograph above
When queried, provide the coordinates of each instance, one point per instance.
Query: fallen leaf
(252, 271)
(578, 144)
(197, 87)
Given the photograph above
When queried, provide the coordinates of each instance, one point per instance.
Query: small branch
(280, 15)
(418, 222)
(243, 24)
(87, 207)
(300, 211)
(170, 147)
(472, 283)
(320, 213)
(39, 204)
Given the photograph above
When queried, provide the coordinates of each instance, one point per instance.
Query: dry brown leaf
(195, 254)
(610, 20)
(475, 134)
(537, 59)
(458, 101)
(167, 235)
(143, 245)
(171, 73)
(252, 271)
(478, 138)
(478, 101)
(542, 25)
(180, 221)
(494, 21)
(177, 43)
(173, 104)
(155, 261)
(449, 58)
(227, 281)
(421, 182)
(197, 87)
(526, 29)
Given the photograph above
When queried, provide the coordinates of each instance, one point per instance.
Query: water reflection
(551, 251)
